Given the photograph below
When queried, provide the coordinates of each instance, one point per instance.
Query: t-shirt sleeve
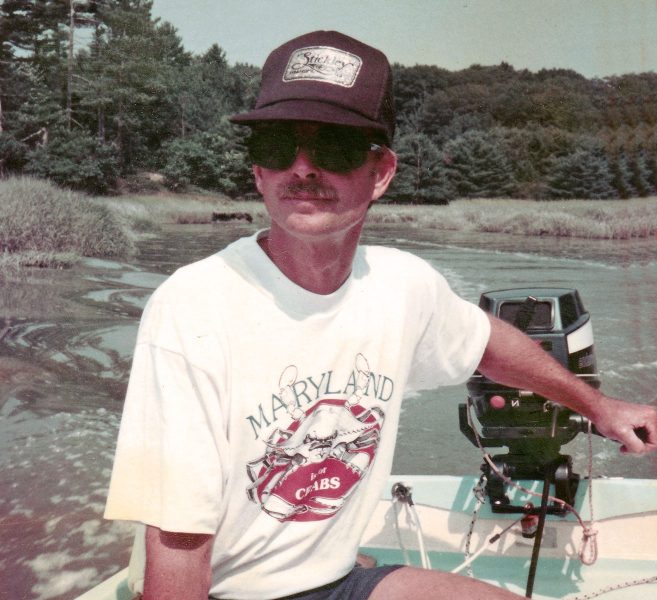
(453, 340)
(170, 464)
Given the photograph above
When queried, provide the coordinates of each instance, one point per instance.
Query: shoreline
(588, 219)
(585, 219)
(143, 215)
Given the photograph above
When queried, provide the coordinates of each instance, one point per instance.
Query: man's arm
(177, 565)
(512, 358)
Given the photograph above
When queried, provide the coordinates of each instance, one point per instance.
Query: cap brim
(308, 110)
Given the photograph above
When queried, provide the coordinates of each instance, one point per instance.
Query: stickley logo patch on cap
(323, 63)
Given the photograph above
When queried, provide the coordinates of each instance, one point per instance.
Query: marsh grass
(31, 258)
(148, 213)
(613, 219)
(42, 225)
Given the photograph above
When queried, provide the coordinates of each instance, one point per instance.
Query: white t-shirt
(266, 414)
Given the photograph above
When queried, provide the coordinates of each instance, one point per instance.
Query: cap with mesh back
(328, 77)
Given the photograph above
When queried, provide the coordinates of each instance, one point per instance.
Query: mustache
(320, 190)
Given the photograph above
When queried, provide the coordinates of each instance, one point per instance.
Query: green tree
(640, 173)
(31, 55)
(126, 80)
(41, 110)
(460, 124)
(469, 98)
(37, 30)
(651, 168)
(246, 83)
(12, 154)
(629, 100)
(513, 106)
(531, 151)
(421, 174)
(212, 160)
(413, 84)
(621, 175)
(584, 173)
(478, 166)
(76, 160)
(205, 91)
(435, 113)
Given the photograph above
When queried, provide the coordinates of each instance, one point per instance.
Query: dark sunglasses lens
(273, 147)
(339, 149)
(332, 147)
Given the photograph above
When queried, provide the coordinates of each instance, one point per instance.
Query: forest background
(130, 99)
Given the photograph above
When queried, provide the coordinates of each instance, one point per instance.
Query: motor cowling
(533, 428)
(554, 318)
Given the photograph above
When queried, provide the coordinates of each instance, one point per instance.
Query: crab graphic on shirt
(310, 468)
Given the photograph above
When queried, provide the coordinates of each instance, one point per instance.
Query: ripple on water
(87, 348)
(55, 542)
(66, 341)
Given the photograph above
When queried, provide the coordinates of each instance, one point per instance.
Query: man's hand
(633, 425)
(177, 565)
(512, 358)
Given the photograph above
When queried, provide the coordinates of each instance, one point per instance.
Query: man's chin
(317, 223)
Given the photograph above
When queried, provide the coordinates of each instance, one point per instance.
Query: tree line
(94, 91)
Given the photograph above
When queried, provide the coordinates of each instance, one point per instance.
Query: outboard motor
(533, 428)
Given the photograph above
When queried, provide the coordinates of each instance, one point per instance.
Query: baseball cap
(328, 77)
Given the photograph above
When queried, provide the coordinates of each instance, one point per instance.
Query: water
(618, 283)
(66, 341)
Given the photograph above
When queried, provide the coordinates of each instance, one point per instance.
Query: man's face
(305, 200)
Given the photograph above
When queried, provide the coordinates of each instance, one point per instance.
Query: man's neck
(319, 266)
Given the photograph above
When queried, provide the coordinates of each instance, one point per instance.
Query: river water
(66, 340)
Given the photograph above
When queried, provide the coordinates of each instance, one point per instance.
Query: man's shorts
(356, 585)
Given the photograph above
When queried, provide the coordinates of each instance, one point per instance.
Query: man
(262, 409)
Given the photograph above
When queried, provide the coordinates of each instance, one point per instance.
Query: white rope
(613, 588)
(415, 523)
(424, 555)
(491, 540)
(588, 551)
(471, 558)
(480, 494)
(407, 558)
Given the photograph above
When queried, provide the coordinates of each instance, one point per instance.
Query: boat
(526, 522)
(435, 523)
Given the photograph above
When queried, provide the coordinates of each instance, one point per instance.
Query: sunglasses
(334, 148)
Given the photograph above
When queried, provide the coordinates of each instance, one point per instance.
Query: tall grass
(613, 219)
(42, 225)
(147, 213)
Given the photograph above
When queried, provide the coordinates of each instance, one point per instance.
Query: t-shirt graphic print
(311, 467)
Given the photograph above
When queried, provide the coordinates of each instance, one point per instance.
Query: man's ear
(384, 170)
(257, 171)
